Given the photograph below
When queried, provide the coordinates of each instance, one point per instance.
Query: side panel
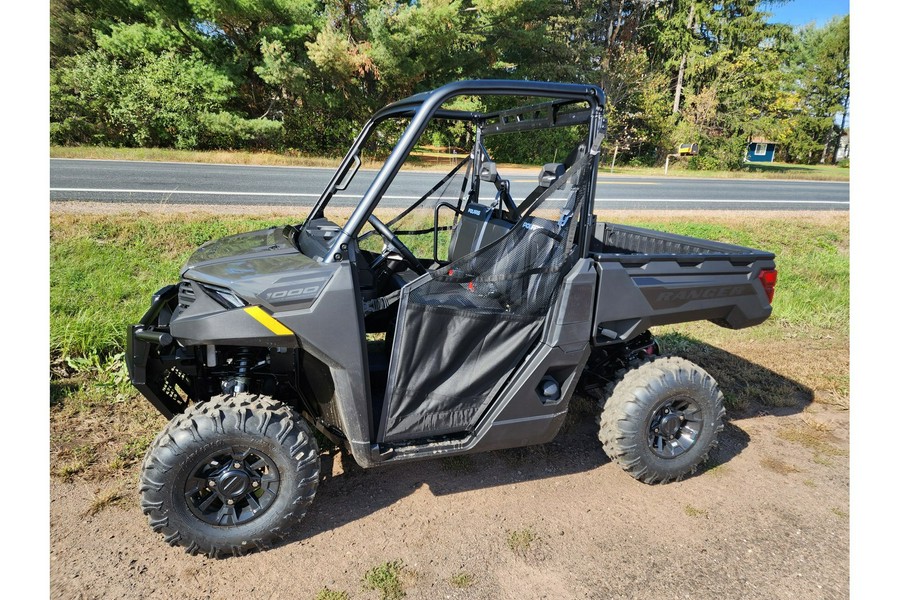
(332, 330)
(631, 300)
(327, 325)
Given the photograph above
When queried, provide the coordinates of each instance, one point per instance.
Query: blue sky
(801, 12)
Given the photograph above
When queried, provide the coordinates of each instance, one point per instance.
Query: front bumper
(166, 388)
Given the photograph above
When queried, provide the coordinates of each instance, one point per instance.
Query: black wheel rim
(232, 486)
(675, 427)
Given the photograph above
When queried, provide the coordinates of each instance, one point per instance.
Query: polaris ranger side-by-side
(475, 341)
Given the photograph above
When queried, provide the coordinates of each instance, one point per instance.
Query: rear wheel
(230, 475)
(661, 419)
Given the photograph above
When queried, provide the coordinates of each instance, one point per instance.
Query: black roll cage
(423, 107)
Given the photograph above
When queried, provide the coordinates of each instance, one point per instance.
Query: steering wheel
(393, 241)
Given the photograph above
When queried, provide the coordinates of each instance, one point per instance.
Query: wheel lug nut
(255, 484)
(237, 465)
(681, 418)
(211, 483)
(656, 430)
(667, 411)
(230, 502)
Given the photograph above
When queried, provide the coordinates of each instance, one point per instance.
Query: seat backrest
(476, 228)
(526, 260)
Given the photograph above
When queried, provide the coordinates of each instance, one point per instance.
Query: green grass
(520, 541)
(132, 452)
(329, 594)
(103, 271)
(114, 496)
(810, 438)
(693, 511)
(385, 578)
(76, 460)
(462, 580)
(231, 157)
(749, 171)
(286, 158)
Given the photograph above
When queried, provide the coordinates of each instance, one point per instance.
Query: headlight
(224, 296)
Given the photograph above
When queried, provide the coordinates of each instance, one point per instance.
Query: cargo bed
(649, 278)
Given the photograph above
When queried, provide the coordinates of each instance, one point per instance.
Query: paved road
(189, 183)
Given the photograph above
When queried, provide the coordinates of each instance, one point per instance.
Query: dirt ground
(767, 518)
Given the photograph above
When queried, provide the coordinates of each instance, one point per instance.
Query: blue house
(760, 150)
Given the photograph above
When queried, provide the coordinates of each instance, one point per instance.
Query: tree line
(305, 74)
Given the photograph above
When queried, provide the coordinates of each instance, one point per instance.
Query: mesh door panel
(461, 333)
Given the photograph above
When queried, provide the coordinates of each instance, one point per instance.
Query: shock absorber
(242, 361)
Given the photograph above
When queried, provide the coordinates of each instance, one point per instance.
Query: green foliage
(520, 541)
(227, 130)
(534, 147)
(702, 162)
(329, 594)
(385, 578)
(821, 67)
(136, 98)
(462, 580)
(305, 74)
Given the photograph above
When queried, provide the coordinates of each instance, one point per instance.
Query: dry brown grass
(103, 499)
(811, 438)
(694, 512)
(95, 439)
(778, 465)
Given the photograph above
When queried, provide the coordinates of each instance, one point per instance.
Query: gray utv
(473, 342)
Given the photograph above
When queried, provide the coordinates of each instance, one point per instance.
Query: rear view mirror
(488, 171)
(550, 173)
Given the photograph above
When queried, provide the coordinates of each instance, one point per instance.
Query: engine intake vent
(186, 294)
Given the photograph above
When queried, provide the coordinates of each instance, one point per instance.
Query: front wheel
(230, 475)
(662, 419)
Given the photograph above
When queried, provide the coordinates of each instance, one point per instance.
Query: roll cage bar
(423, 107)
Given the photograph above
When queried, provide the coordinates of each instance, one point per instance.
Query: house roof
(760, 140)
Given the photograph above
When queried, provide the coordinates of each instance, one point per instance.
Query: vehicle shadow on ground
(347, 492)
(749, 389)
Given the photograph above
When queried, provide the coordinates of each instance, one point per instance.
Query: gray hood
(254, 244)
(251, 263)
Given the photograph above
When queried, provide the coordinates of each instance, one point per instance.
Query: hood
(247, 262)
(264, 242)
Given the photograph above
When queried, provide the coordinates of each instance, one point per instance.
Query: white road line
(599, 182)
(390, 197)
(712, 201)
(211, 193)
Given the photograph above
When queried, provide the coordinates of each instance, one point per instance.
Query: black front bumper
(147, 343)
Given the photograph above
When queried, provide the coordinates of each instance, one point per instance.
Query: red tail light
(769, 278)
